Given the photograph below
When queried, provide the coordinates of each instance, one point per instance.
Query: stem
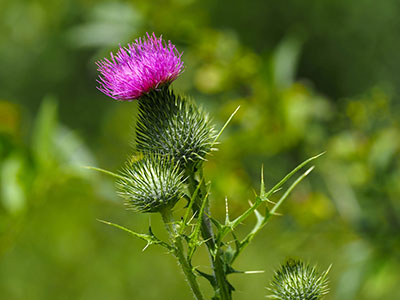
(222, 288)
(179, 253)
(222, 282)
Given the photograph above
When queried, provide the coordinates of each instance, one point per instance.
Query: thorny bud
(296, 280)
(151, 184)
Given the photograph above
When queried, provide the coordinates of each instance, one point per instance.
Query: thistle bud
(151, 184)
(298, 281)
(173, 125)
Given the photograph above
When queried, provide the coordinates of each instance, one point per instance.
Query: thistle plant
(173, 138)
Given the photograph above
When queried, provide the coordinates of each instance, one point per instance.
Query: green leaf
(216, 223)
(149, 238)
(289, 190)
(288, 176)
(189, 207)
(259, 200)
(209, 277)
(105, 172)
(262, 221)
(195, 235)
(262, 184)
(226, 211)
(225, 125)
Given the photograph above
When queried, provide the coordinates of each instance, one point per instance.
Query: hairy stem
(179, 253)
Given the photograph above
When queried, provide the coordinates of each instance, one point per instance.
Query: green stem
(179, 253)
(224, 291)
(222, 287)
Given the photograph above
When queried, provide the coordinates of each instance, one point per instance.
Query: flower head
(296, 280)
(139, 68)
(151, 184)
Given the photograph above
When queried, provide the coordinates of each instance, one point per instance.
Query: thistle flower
(298, 281)
(140, 67)
(151, 184)
(174, 126)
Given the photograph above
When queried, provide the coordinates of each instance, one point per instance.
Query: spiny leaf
(262, 185)
(149, 238)
(260, 200)
(226, 211)
(209, 277)
(262, 221)
(289, 190)
(216, 223)
(288, 176)
(190, 205)
(195, 236)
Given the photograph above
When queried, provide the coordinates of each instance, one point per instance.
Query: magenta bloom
(139, 68)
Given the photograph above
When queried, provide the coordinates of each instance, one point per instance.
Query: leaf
(229, 253)
(189, 207)
(216, 223)
(149, 238)
(288, 191)
(195, 235)
(225, 125)
(288, 176)
(105, 172)
(209, 277)
(232, 225)
(226, 211)
(262, 221)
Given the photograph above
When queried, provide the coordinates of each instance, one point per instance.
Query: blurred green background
(310, 76)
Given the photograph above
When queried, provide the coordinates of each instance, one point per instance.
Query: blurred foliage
(256, 54)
